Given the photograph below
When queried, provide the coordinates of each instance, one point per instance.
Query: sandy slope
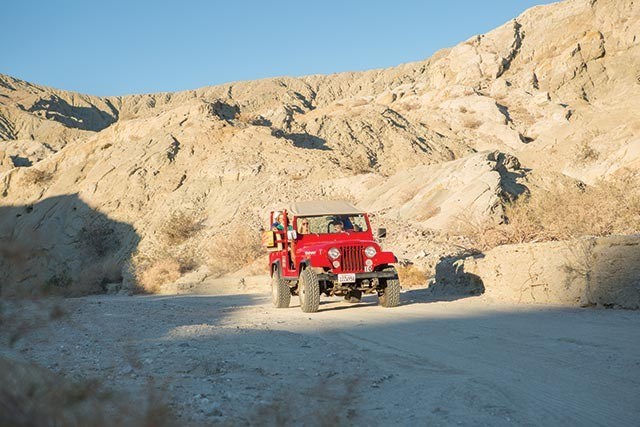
(232, 358)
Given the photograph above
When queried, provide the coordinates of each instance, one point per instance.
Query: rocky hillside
(85, 182)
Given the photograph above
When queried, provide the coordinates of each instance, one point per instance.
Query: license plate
(347, 278)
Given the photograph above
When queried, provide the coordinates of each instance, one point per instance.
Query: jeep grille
(352, 258)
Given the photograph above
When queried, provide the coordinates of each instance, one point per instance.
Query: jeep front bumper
(333, 277)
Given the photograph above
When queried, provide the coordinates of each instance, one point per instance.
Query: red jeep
(327, 247)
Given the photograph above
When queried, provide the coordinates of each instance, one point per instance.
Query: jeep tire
(280, 292)
(309, 291)
(389, 296)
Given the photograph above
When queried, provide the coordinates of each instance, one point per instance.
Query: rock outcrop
(589, 271)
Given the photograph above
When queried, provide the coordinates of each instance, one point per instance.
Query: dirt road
(233, 359)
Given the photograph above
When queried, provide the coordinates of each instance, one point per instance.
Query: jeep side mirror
(382, 233)
(292, 235)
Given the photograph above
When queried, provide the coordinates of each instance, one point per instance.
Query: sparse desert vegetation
(586, 153)
(30, 395)
(471, 122)
(230, 253)
(180, 226)
(152, 274)
(35, 176)
(412, 276)
(564, 212)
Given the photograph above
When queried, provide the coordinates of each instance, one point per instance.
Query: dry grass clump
(37, 176)
(180, 226)
(297, 409)
(20, 317)
(172, 255)
(411, 276)
(586, 153)
(471, 122)
(360, 164)
(228, 253)
(32, 396)
(609, 207)
(98, 239)
(152, 274)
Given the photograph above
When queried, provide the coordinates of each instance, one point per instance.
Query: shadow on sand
(84, 118)
(62, 243)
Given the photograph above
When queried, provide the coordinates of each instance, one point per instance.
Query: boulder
(590, 271)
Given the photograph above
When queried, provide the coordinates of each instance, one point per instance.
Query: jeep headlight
(334, 253)
(370, 251)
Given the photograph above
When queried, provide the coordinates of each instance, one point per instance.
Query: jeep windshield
(332, 224)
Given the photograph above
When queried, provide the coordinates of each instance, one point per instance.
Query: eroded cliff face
(427, 144)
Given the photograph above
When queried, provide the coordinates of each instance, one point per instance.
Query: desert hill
(547, 99)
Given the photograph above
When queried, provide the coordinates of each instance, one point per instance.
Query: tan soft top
(324, 207)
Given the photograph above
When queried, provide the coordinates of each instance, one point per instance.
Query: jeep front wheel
(309, 291)
(280, 293)
(389, 296)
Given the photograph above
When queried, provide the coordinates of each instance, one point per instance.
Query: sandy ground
(233, 359)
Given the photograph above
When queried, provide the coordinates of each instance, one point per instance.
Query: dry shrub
(152, 275)
(298, 409)
(94, 278)
(471, 122)
(98, 239)
(411, 276)
(20, 317)
(360, 164)
(58, 284)
(586, 153)
(37, 177)
(228, 253)
(180, 226)
(31, 396)
(609, 207)
(483, 235)
(173, 254)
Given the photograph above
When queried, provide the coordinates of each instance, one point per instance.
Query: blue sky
(121, 47)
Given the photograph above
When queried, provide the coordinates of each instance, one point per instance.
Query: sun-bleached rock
(603, 271)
